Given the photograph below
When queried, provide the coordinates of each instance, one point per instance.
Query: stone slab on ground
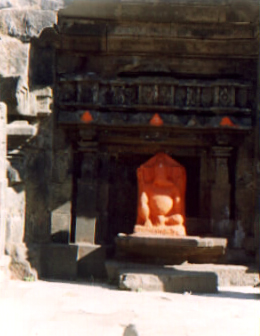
(227, 275)
(165, 279)
(161, 249)
(172, 281)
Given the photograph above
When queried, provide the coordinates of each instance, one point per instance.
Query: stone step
(197, 278)
(174, 282)
(165, 250)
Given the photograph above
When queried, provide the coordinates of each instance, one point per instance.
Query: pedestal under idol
(159, 233)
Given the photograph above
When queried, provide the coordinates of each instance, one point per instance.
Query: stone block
(173, 281)
(141, 11)
(60, 227)
(15, 93)
(53, 5)
(178, 46)
(85, 230)
(14, 56)
(169, 250)
(17, 3)
(25, 23)
(85, 261)
(59, 261)
(91, 261)
(21, 128)
(226, 275)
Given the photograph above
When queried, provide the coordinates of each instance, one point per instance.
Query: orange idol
(161, 196)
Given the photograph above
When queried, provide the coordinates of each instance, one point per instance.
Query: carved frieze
(177, 103)
(161, 94)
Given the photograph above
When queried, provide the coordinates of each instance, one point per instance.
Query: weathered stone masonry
(73, 153)
(3, 180)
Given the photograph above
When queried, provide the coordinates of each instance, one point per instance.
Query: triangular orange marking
(226, 121)
(86, 117)
(156, 120)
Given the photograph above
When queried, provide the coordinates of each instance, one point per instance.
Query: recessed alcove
(105, 183)
(120, 72)
(123, 190)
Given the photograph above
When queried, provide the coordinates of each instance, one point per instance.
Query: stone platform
(165, 250)
(196, 278)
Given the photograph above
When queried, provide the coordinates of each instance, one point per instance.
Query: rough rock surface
(39, 4)
(25, 23)
(13, 57)
(29, 140)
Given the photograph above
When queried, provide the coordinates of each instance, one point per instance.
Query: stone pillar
(103, 198)
(220, 192)
(204, 185)
(3, 180)
(86, 207)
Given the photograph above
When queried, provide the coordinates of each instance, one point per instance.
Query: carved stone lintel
(157, 92)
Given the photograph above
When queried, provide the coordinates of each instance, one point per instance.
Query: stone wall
(39, 163)
(26, 89)
(3, 181)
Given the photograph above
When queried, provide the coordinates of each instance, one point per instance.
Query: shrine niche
(128, 88)
(161, 196)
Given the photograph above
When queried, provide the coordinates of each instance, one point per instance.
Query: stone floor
(56, 308)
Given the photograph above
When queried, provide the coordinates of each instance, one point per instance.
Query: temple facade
(110, 85)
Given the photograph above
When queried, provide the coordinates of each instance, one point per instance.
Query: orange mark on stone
(156, 120)
(86, 117)
(226, 121)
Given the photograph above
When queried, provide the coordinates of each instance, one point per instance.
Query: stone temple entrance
(126, 90)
